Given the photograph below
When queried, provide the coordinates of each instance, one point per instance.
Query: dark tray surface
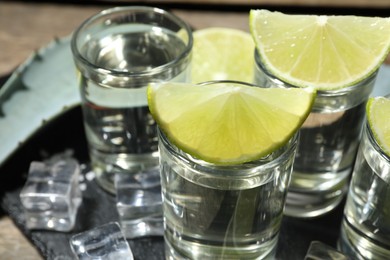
(66, 133)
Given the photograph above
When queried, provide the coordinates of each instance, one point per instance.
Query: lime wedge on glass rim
(378, 117)
(222, 54)
(227, 123)
(324, 52)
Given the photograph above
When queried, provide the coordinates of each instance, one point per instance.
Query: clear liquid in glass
(120, 130)
(366, 225)
(214, 213)
(327, 147)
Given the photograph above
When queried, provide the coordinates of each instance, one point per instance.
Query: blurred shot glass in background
(327, 147)
(365, 230)
(118, 52)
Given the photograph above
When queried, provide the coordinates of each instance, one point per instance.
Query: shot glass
(118, 52)
(365, 230)
(327, 147)
(223, 212)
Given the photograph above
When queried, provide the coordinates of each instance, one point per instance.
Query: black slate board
(66, 132)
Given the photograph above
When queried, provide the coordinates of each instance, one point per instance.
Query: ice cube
(51, 195)
(105, 242)
(139, 203)
(321, 251)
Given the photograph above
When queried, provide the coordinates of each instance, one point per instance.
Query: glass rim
(156, 70)
(334, 92)
(249, 169)
(224, 81)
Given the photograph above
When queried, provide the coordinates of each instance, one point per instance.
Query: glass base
(356, 245)
(106, 181)
(302, 204)
(203, 251)
(312, 194)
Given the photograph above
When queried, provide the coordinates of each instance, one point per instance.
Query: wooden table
(26, 26)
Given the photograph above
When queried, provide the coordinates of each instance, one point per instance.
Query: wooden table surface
(27, 26)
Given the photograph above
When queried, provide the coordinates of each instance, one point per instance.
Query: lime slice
(222, 54)
(227, 123)
(378, 115)
(325, 52)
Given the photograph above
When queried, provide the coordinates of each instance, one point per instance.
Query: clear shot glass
(365, 230)
(223, 212)
(117, 53)
(328, 144)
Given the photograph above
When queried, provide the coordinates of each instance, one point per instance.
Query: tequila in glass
(118, 53)
(327, 147)
(365, 231)
(223, 212)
